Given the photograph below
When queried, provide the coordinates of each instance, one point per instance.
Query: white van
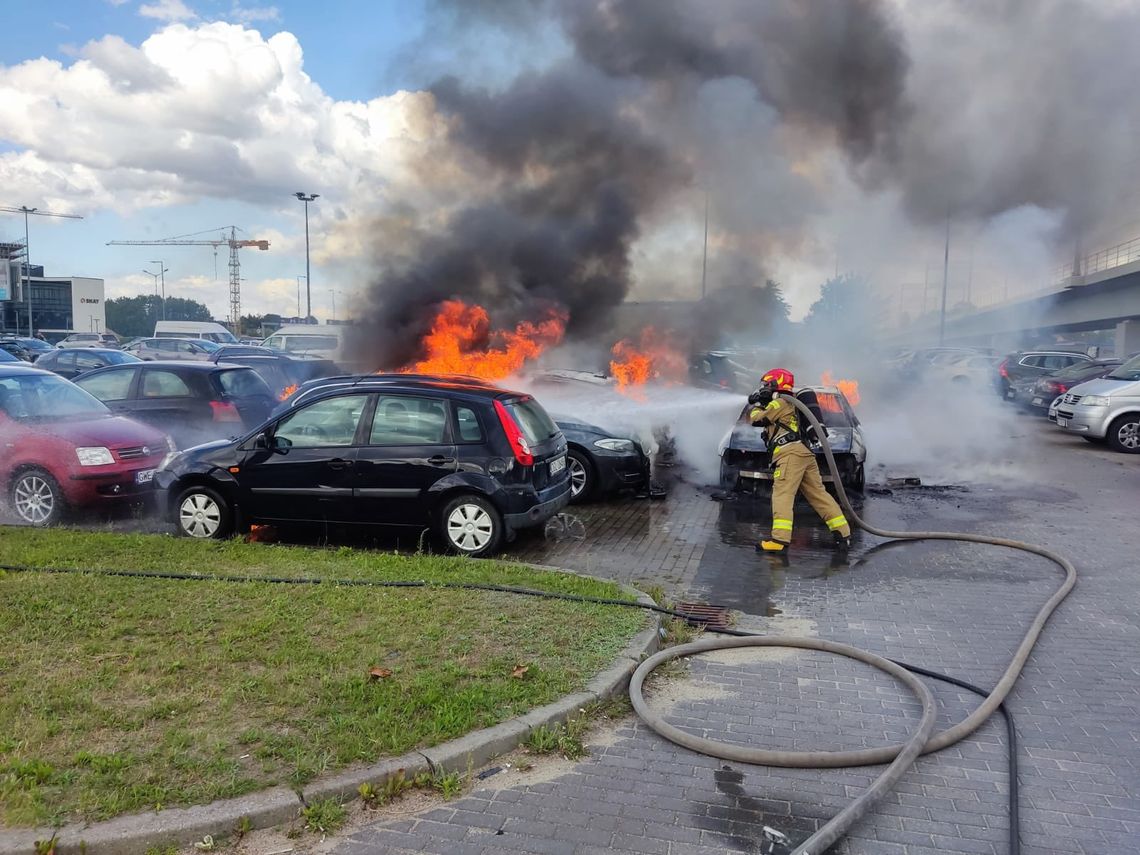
(322, 340)
(194, 329)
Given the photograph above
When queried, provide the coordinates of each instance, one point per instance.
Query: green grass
(119, 694)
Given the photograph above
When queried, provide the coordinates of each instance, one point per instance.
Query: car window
(242, 383)
(401, 420)
(1053, 362)
(109, 386)
(88, 362)
(469, 430)
(1130, 370)
(301, 343)
(186, 347)
(1074, 360)
(276, 341)
(1031, 361)
(167, 345)
(46, 397)
(329, 423)
(164, 384)
(830, 408)
(64, 359)
(532, 420)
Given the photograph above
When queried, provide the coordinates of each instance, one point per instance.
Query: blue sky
(354, 50)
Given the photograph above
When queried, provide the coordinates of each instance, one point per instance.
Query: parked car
(228, 350)
(325, 340)
(35, 346)
(70, 362)
(1106, 410)
(199, 350)
(64, 449)
(471, 461)
(965, 369)
(745, 458)
(601, 461)
(283, 374)
(90, 339)
(7, 358)
(16, 349)
(1032, 364)
(194, 402)
(1036, 395)
(717, 369)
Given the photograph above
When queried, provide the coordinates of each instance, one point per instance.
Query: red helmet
(781, 378)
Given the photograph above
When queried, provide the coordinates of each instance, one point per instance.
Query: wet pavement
(957, 608)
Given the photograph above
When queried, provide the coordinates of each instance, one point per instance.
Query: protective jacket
(781, 425)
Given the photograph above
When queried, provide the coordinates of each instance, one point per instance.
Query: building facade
(73, 303)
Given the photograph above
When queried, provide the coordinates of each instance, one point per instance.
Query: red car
(64, 449)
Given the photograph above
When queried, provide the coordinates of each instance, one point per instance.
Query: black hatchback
(470, 461)
(193, 402)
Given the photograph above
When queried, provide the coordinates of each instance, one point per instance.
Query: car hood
(1104, 386)
(111, 432)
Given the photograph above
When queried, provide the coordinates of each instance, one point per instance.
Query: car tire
(203, 514)
(1124, 434)
(583, 476)
(36, 498)
(859, 479)
(470, 525)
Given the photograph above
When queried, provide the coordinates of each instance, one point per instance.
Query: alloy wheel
(470, 527)
(1129, 435)
(199, 515)
(34, 499)
(578, 476)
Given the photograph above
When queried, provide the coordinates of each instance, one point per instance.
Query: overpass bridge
(1101, 292)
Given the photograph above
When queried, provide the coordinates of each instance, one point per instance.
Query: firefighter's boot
(771, 546)
(842, 544)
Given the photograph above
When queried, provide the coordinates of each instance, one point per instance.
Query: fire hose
(900, 757)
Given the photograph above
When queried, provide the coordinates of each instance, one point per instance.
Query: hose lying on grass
(922, 741)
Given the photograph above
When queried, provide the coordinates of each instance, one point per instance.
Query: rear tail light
(1003, 370)
(519, 445)
(224, 411)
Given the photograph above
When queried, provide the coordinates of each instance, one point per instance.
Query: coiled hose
(900, 757)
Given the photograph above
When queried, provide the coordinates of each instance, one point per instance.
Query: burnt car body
(744, 462)
(601, 461)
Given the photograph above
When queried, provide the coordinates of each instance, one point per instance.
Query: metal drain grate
(706, 615)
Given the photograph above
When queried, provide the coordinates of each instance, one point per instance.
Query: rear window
(532, 420)
(242, 383)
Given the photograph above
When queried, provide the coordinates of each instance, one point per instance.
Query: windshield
(1130, 370)
(42, 396)
(118, 357)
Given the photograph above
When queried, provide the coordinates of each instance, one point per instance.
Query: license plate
(557, 465)
(145, 476)
(1062, 422)
(1037, 402)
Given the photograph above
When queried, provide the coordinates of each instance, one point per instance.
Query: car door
(114, 387)
(408, 447)
(174, 403)
(85, 362)
(62, 362)
(305, 472)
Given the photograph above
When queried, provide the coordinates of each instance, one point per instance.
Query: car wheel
(470, 525)
(1124, 434)
(582, 477)
(859, 479)
(202, 513)
(36, 498)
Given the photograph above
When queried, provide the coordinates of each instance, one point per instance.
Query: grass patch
(127, 694)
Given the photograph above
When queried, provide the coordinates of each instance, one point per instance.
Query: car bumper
(87, 488)
(1087, 421)
(622, 472)
(550, 502)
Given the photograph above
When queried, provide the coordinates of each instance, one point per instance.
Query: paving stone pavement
(956, 608)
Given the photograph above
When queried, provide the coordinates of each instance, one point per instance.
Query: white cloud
(167, 10)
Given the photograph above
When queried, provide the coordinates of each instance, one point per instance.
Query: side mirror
(281, 444)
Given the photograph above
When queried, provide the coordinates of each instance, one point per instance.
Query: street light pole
(308, 280)
(162, 271)
(299, 277)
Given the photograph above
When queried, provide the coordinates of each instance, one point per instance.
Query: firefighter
(794, 467)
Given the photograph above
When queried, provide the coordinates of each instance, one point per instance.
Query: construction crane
(233, 242)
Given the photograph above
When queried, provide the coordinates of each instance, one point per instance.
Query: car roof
(470, 386)
(16, 369)
(183, 364)
(87, 350)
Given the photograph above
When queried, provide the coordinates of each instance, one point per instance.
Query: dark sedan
(36, 347)
(601, 461)
(1036, 395)
(71, 362)
(194, 402)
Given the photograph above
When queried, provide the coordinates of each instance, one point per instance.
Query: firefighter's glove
(761, 397)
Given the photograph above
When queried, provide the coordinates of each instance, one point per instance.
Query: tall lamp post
(308, 280)
(155, 275)
(299, 278)
(162, 271)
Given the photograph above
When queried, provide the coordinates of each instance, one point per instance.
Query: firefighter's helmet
(780, 379)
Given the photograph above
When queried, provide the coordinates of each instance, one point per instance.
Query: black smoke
(577, 159)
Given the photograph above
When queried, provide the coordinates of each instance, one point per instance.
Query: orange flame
(287, 392)
(461, 341)
(653, 358)
(849, 388)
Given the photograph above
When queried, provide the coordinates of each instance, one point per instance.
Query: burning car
(744, 461)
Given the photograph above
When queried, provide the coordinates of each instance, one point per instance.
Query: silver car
(1106, 410)
(197, 349)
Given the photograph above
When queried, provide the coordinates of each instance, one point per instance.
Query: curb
(135, 833)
